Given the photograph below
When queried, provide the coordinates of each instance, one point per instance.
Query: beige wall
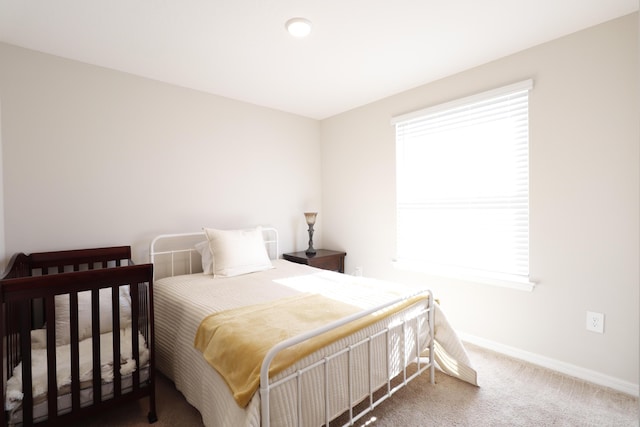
(97, 157)
(585, 214)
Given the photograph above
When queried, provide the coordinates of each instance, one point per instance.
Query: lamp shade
(310, 217)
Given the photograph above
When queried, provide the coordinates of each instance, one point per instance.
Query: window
(462, 171)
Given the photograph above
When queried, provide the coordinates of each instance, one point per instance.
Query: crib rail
(43, 263)
(376, 394)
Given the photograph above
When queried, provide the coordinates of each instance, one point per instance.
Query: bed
(62, 359)
(235, 280)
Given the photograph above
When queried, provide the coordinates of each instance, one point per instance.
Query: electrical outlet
(595, 322)
(357, 271)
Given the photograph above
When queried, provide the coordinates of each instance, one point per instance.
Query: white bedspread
(182, 302)
(63, 358)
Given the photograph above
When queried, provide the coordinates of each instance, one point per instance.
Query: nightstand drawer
(325, 259)
(327, 263)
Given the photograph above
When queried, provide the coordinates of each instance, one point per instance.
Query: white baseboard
(556, 365)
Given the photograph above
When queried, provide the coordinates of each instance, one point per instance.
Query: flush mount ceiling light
(298, 27)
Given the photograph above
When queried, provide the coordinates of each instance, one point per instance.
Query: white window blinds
(463, 185)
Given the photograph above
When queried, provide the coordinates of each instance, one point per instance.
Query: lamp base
(310, 250)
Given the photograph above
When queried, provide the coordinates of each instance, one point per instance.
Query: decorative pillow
(63, 313)
(237, 252)
(206, 256)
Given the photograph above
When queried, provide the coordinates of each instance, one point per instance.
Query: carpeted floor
(511, 393)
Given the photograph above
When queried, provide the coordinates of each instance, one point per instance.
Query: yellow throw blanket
(236, 341)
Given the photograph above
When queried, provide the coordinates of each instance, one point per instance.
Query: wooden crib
(58, 335)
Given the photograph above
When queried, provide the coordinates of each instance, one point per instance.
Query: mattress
(181, 302)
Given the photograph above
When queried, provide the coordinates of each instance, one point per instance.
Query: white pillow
(206, 256)
(237, 252)
(63, 313)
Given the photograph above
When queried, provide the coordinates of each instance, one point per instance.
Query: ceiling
(358, 51)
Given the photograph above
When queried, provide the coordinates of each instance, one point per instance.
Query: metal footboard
(376, 394)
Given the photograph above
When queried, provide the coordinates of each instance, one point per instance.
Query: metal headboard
(173, 254)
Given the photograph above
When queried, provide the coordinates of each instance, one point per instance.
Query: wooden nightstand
(325, 259)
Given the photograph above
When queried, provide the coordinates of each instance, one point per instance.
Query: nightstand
(324, 258)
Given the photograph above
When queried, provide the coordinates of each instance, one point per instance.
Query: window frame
(516, 281)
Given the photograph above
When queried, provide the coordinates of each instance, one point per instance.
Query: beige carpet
(511, 393)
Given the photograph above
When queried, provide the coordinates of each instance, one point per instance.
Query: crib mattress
(14, 392)
(86, 398)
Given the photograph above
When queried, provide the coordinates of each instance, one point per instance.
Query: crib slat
(135, 302)
(95, 331)
(75, 351)
(10, 329)
(150, 328)
(25, 350)
(115, 318)
(52, 383)
(3, 333)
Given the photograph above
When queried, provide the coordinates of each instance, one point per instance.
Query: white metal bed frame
(422, 363)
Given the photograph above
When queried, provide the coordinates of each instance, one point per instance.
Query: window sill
(504, 281)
